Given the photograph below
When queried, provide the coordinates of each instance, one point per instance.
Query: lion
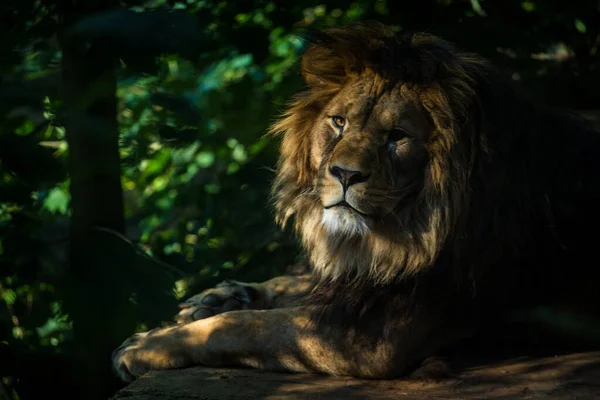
(432, 200)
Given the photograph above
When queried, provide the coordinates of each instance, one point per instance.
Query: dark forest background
(133, 168)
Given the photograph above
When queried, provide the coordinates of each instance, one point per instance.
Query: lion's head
(376, 153)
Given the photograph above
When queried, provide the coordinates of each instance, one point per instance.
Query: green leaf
(57, 201)
(528, 6)
(25, 129)
(9, 296)
(205, 159)
(239, 153)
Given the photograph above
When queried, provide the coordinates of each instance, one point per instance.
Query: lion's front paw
(226, 296)
(153, 350)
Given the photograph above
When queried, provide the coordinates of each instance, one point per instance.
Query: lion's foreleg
(280, 340)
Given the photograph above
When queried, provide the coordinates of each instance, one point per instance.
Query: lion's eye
(338, 122)
(396, 135)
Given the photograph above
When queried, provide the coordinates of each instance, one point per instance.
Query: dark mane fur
(510, 193)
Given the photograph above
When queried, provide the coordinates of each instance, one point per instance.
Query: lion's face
(377, 152)
(369, 151)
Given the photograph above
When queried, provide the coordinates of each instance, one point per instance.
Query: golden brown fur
(431, 198)
(442, 197)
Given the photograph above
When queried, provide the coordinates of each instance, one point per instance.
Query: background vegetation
(133, 168)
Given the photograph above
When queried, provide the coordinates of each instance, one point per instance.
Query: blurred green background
(146, 118)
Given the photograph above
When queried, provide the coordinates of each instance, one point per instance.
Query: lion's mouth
(345, 204)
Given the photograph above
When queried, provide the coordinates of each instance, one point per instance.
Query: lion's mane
(498, 192)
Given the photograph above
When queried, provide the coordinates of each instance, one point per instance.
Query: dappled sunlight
(562, 377)
(135, 170)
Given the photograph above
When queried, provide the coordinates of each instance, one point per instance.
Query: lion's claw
(122, 358)
(159, 348)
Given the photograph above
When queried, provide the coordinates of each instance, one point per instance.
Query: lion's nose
(347, 177)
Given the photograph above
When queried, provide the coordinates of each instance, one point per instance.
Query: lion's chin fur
(346, 246)
(345, 222)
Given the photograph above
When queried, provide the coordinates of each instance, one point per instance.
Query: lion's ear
(322, 67)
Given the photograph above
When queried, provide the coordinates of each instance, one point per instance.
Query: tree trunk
(89, 94)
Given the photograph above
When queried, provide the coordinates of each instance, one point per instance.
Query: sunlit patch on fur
(340, 220)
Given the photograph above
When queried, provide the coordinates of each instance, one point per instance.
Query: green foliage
(57, 201)
(198, 84)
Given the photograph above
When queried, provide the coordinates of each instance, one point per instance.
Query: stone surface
(573, 376)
